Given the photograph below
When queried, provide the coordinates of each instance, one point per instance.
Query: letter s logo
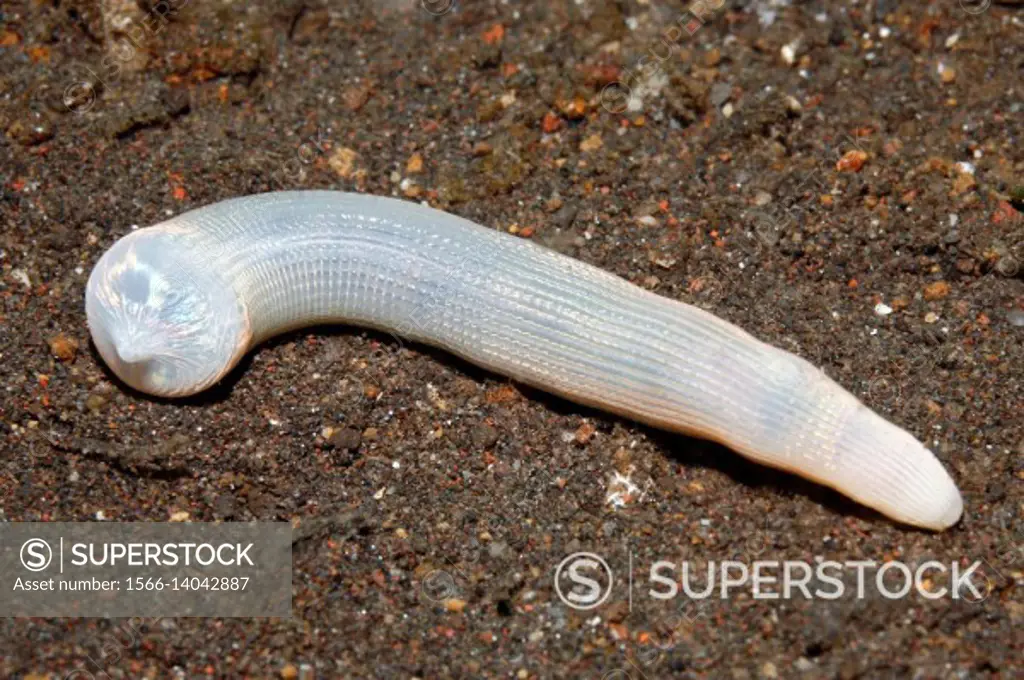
(576, 568)
(36, 554)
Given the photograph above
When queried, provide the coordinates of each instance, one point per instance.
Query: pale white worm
(172, 308)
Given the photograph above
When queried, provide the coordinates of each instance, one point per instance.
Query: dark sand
(433, 500)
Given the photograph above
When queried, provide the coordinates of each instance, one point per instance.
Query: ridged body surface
(300, 258)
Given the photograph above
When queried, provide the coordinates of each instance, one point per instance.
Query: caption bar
(107, 569)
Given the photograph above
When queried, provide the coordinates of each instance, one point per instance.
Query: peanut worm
(173, 307)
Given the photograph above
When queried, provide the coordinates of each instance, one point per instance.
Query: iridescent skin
(172, 308)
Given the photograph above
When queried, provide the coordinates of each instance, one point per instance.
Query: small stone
(591, 143)
(63, 347)
(565, 216)
(454, 605)
(346, 439)
(553, 204)
(410, 188)
(36, 130)
(936, 291)
(95, 402)
(343, 161)
(762, 198)
(483, 436)
(356, 97)
(720, 93)
(225, 506)
(965, 265)
(584, 433)
(180, 516)
(769, 670)
(489, 110)
(414, 164)
(803, 664)
(21, 276)
(962, 183)
(931, 317)
(882, 309)
(550, 123)
(370, 433)
(575, 109)
(1016, 317)
(617, 612)
(946, 73)
(289, 672)
(852, 161)
(489, 55)
(788, 53)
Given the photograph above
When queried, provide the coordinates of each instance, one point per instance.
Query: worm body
(173, 307)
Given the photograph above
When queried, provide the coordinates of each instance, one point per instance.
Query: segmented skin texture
(173, 307)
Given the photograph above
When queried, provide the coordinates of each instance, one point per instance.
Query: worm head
(162, 317)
